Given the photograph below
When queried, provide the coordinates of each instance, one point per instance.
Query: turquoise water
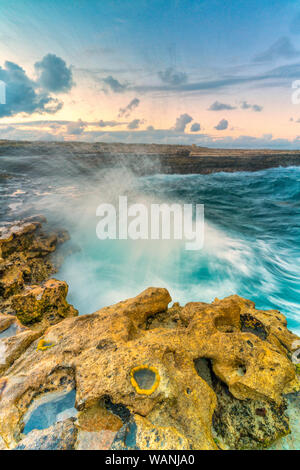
(251, 247)
(252, 233)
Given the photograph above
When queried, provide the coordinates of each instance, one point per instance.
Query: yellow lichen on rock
(134, 382)
(43, 345)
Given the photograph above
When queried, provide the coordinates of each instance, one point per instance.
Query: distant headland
(159, 158)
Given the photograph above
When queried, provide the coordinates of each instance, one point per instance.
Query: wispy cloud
(114, 85)
(255, 107)
(173, 77)
(126, 111)
(277, 76)
(281, 49)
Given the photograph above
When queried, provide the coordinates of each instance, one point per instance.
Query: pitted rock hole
(204, 369)
(250, 324)
(145, 378)
(49, 409)
(241, 370)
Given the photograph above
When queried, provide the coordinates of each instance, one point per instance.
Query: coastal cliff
(145, 375)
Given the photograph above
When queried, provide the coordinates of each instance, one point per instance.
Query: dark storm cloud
(53, 74)
(217, 106)
(23, 95)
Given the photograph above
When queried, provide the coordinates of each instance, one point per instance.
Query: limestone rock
(95, 440)
(46, 302)
(60, 436)
(141, 434)
(25, 262)
(155, 370)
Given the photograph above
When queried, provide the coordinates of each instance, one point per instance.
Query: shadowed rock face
(201, 356)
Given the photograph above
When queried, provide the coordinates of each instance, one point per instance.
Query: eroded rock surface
(149, 377)
(25, 268)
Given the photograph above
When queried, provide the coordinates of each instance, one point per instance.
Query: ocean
(251, 235)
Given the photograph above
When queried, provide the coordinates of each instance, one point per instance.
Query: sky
(204, 72)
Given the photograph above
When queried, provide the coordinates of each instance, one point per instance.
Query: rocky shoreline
(145, 375)
(149, 159)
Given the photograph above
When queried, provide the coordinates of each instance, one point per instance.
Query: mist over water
(252, 232)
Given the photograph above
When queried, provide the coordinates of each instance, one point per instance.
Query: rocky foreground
(145, 375)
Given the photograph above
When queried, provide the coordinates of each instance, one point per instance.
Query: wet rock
(61, 436)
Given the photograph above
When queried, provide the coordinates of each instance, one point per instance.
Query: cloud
(255, 107)
(223, 124)
(102, 123)
(181, 122)
(281, 49)
(195, 127)
(53, 74)
(129, 108)
(135, 124)
(114, 85)
(17, 131)
(277, 76)
(76, 128)
(23, 95)
(217, 106)
(173, 77)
